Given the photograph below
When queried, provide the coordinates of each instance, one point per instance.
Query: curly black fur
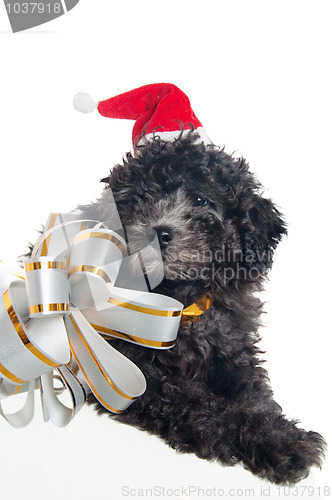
(209, 394)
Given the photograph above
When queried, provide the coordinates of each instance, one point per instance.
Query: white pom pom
(84, 103)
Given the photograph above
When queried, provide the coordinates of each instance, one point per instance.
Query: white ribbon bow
(55, 318)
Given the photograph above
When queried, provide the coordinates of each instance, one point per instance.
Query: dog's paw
(283, 453)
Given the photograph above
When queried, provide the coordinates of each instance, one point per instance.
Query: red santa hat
(160, 108)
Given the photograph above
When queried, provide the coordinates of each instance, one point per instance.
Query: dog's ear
(262, 229)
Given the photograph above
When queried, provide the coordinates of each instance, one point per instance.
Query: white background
(258, 76)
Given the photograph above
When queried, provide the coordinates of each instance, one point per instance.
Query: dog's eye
(199, 202)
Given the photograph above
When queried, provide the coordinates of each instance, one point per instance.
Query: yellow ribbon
(196, 309)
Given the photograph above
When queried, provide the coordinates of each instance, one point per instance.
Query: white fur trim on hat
(171, 135)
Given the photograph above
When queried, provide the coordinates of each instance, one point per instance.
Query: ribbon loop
(101, 251)
(22, 417)
(24, 351)
(115, 380)
(60, 414)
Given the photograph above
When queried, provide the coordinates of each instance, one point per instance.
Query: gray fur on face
(173, 212)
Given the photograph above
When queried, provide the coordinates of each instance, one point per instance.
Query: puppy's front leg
(268, 444)
(250, 428)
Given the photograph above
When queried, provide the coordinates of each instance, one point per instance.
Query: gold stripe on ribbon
(18, 388)
(11, 376)
(102, 401)
(20, 331)
(49, 307)
(90, 269)
(34, 266)
(145, 310)
(132, 338)
(101, 369)
(48, 238)
(104, 236)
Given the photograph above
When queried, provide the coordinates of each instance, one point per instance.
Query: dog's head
(215, 230)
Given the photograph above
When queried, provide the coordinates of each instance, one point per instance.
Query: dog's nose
(165, 235)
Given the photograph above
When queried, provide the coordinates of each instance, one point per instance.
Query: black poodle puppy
(209, 394)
